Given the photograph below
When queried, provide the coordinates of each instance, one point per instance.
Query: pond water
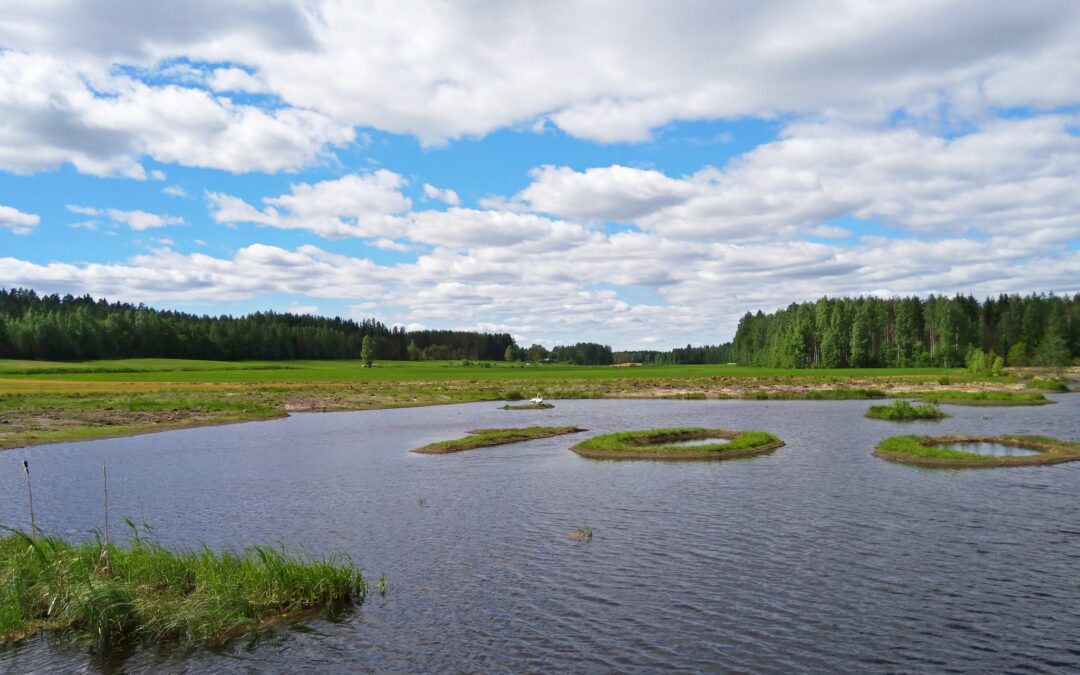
(994, 449)
(818, 557)
(696, 441)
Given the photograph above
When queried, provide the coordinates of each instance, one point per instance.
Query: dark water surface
(818, 557)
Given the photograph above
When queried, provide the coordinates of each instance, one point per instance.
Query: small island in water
(483, 438)
(680, 443)
(960, 451)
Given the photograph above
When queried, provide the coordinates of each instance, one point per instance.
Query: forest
(867, 332)
(1036, 330)
(68, 328)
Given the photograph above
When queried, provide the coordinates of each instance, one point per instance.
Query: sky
(640, 174)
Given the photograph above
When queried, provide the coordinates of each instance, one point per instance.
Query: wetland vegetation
(942, 451)
(106, 595)
(43, 401)
(984, 398)
(673, 444)
(483, 438)
(902, 410)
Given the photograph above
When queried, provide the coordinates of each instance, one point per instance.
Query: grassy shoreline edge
(116, 399)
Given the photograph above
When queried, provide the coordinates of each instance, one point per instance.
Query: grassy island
(670, 444)
(528, 406)
(928, 451)
(903, 411)
(1053, 385)
(983, 398)
(107, 596)
(483, 438)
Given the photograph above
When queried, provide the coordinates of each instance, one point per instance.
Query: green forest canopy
(895, 332)
(1036, 329)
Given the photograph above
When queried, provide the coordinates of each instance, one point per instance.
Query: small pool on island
(695, 442)
(990, 449)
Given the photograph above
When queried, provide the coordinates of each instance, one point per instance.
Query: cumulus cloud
(462, 69)
(103, 124)
(447, 196)
(1014, 174)
(331, 208)
(16, 221)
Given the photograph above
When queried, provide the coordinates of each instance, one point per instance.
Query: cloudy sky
(636, 173)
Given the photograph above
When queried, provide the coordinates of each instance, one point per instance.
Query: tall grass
(149, 593)
(903, 411)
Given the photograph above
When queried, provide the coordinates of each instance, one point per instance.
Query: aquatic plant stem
(105, 487)
(29, 495)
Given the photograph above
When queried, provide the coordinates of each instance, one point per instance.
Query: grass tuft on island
(903, 411)
(663, 444)
(528, 406)
(982, 398)
(146, 593)
(927, 451)
(484, 438)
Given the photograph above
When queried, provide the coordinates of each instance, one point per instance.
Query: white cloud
(462, 69)
(608, 193)
(175, 191)
(298, 308)
(331, 208)
(235, 79)
(105, 124)
(137, 220)
(1008, 175)
(16, 221)
(446, 195)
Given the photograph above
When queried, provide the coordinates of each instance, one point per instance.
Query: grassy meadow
(42, 401)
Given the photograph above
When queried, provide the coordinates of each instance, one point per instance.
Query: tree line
(1035, 329)
(71, 328)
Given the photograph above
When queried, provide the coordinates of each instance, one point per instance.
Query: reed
(148, 593)
(903, 411)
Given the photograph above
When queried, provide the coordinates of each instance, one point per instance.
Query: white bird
(538, 400)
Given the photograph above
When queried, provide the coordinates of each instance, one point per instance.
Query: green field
(42, 402)
(178, 370)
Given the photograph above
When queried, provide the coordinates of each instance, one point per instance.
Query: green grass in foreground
(663, 444)
(928, 451)
(147, 593)
(982, 398)
(903, 411)
(483, 438)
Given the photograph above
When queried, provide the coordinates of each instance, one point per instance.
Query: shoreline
(41, 412)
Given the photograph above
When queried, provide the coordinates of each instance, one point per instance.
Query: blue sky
(514, 168)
